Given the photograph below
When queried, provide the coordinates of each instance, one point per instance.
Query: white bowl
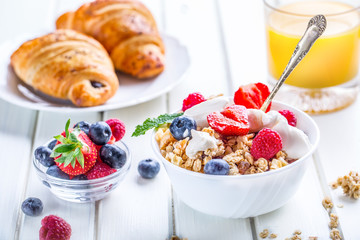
(245, 195)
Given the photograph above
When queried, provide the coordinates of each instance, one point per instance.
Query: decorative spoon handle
(316, 27)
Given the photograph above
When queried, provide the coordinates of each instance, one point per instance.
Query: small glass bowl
(83, 191)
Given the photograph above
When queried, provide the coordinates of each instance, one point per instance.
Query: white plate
(131, 91)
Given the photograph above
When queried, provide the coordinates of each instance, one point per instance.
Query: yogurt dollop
(200, 111)
(200, 141)
(295, 142)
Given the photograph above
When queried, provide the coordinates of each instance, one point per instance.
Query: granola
(235, 150)
(350, 184)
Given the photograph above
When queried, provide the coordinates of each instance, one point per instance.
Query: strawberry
(266, 144)
(117, 128)
(236, 113)
(54, 228)
(227, 126)
(290, 117)
(99, 170)
(192, 100)
(252, 95)
(74, 152)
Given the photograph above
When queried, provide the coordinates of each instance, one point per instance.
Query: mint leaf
(154, 123)
(67, 128)
(63, 148)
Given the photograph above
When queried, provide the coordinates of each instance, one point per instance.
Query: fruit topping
(32, 206)
(75, 153)
(42, 154)
(113, 156)
(55, 171)
(54, 228)
(100, 133)
(290, 117)
(252, 95)
(84, 126)
(237, 113)
(99, 170)
(181, 127)
(148, 168)
(52, 144)
(227, 126)
(192, 100)
(117, 128)
(217, 166)
(266, 144)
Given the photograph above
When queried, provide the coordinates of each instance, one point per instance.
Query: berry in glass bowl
(78, 174)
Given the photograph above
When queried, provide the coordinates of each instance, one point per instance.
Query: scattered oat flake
(340, 205)
(327, 203)
(335, 234)
(264, 233)
(313, 238)
(297, 232)
(273, 235)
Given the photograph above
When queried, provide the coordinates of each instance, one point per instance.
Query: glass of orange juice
(327, 78)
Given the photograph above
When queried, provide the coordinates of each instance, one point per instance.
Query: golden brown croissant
(67, 65)
(126, 29)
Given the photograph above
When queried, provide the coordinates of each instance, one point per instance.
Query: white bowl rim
(69, 182)
(247, 176)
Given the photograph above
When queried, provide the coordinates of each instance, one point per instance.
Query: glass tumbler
(327, 78)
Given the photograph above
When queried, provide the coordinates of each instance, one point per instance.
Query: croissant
(126, 29)
(67, 65)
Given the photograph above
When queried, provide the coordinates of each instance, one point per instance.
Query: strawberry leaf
(54, 154)
(69, 158)
(80, 159)
(60, 159)
(63, 148)
(60, 138)
(67, 128)
(73, 138)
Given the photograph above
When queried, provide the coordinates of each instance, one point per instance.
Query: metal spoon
(316, 27)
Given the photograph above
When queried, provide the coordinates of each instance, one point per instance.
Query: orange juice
(334, 57)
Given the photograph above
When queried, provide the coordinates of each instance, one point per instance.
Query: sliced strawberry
(237, 113)
(99, 170)
(74, 152)
(226, 126)
(252, 95)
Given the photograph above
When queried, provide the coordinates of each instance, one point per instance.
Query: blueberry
(42, 154)
(113, 155)
(80, 177)
(181, 127)
(148, 168)
(55, 171)
(217, 167)
(84, 126)
(32, 206)
(52, 144)
(100, 133)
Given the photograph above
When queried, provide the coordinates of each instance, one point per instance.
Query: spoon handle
(315, 28)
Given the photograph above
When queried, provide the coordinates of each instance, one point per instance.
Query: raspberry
(290, 116)
(192, 100)
(252, 95)
(99, 170)
(227, 126)
(266, 144)
(54, 228)
(117, 128)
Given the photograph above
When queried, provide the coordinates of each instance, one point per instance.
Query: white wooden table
(227, 47)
